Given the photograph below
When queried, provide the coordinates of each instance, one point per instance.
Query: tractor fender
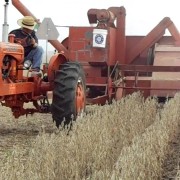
(54, 65)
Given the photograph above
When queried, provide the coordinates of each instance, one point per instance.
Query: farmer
(26, 36)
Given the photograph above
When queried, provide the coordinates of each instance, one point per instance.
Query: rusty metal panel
(92, 71)
(81, 46)
(112, 47)
(96, 81)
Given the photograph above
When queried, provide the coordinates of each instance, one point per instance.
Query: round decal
(99, 39)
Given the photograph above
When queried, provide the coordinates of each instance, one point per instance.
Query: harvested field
(130, 139)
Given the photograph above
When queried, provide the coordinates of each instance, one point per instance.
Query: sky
(141, 15)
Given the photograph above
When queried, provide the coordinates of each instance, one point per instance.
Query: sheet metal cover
(166, 55)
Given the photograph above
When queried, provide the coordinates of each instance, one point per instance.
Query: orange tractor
(93, 66)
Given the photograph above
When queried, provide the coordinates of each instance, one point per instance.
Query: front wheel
(69, 96)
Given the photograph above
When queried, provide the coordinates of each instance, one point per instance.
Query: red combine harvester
(93, 65)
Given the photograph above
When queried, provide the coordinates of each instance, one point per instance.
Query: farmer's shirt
(24, 39)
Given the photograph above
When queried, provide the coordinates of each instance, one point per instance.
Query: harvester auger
(93, 65)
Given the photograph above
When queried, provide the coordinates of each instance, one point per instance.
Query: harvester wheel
(69, 97)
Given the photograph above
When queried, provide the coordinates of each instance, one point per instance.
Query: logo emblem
(99, 39)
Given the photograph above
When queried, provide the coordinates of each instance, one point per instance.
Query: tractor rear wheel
(69, 97)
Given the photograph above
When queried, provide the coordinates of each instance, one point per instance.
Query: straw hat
(27, 22)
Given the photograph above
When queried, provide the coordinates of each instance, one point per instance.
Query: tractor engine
(16, 87)
(11, 76)
(11, 56)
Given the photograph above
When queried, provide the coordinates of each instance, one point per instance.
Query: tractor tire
(69, 94)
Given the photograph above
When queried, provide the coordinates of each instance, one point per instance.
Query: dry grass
(125, 140)
(144, 158)
(178, 175)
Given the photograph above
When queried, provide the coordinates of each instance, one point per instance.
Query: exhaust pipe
(5, 27)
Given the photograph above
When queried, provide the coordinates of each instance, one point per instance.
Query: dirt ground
(23, 131)
(172, 163)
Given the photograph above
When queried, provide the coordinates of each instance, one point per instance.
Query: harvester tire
(69, 94)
